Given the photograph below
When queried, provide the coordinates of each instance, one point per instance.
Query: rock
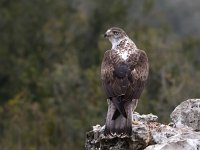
(141, 136)
(187, 114)
(161, 133)
(144, 118)
(148, 134)
(183, 141)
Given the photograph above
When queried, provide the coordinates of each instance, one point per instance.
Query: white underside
(124, 55)
(114, 43)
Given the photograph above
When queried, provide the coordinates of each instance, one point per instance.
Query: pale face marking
(108, 30)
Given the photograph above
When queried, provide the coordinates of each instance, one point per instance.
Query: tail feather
(116, 123)
(116, 114)
(119, 104)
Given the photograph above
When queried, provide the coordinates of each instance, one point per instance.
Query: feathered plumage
(124, 71)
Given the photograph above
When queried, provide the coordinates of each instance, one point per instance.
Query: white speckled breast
(126, 48)
(123, 54)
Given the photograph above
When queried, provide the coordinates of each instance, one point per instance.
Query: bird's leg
(135, 102)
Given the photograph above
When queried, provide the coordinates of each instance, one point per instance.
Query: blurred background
(50, 56)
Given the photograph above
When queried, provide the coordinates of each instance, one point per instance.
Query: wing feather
(113, 75)
(139, 75)
(128, 79)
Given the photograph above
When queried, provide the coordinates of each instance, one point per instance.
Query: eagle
(124, 72)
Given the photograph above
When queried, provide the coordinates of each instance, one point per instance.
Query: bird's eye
(115, 33)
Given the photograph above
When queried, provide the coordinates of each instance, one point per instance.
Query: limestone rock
(183, 141)
(141, 136)
(187, 114)
(148, 134)
(144, 118)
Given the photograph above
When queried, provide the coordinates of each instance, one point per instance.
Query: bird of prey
(124, 71)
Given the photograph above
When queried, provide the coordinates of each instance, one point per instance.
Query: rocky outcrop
(182, 141)
(187, 114)
(183, 133)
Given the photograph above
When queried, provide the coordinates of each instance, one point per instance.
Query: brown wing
(138, 76)
(124, 78)
(114, 74)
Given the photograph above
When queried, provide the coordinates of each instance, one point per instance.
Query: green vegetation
(50, 56)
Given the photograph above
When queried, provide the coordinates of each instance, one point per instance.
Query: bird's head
(115, 35)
